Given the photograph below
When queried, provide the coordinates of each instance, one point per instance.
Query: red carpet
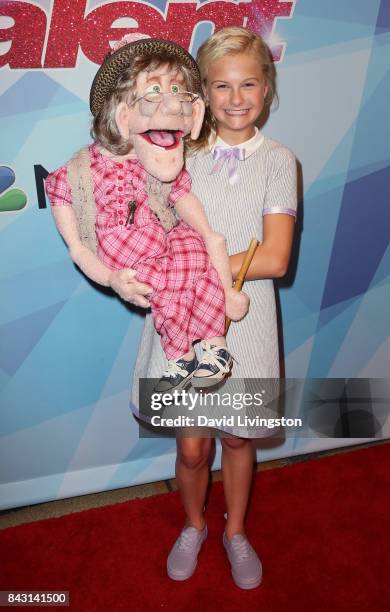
(321, 528)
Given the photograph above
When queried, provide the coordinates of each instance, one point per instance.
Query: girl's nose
(171, 105)
(236, 96)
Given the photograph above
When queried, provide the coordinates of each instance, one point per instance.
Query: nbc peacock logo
(11, 200)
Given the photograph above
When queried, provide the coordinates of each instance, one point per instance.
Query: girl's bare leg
(192, 475)
(237, 470)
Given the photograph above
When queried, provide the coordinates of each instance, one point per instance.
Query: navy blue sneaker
(177, 375)
(215, 364)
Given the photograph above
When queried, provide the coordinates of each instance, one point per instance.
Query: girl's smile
(235, 90)
(239, 111)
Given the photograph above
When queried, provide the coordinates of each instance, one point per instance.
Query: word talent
(67, 28)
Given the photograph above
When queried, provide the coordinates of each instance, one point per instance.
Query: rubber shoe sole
(180, 576)
(182, 385)
(204, 382)
(246, 585)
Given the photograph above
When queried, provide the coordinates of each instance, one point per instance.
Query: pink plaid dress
(188, 299)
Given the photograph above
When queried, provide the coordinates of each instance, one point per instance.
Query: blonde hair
(233, 41)
(104, 129)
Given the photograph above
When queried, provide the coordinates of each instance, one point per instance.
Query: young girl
(247, 183)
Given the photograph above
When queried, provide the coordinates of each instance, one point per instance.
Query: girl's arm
(122, 281)
(272, 255)
(192, 212)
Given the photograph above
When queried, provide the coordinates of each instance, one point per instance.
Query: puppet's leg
(191, 307)
(171, 323)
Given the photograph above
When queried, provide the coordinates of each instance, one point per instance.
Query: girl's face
(235, 91)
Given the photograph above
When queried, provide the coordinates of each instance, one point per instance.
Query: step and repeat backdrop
(68, 348)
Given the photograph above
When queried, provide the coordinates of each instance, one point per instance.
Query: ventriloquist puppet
(115, 205)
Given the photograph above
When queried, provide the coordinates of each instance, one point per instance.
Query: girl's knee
(235, 443)
(193, 453)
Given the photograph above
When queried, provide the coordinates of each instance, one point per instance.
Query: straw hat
(122, 57)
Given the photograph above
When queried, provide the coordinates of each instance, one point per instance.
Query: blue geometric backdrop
(68, 349)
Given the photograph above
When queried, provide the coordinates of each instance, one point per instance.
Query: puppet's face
(156, 130)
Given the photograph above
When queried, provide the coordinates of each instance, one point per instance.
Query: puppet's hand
(125, 284)
(237, 304)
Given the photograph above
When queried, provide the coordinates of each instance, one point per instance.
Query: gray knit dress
(266, 185)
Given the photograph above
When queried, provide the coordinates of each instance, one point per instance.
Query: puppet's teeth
(159, 148)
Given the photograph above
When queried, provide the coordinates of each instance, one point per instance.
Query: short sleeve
(281, 194)
(180, 187)
(58, 188)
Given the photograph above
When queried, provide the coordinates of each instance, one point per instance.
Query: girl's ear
(198, 109)
(205, 93)
(122, 114)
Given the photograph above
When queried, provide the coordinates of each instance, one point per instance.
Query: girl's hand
(237, 304)
(124, 283)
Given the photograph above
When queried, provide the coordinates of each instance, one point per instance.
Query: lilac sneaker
(245, 564)
(182, 559)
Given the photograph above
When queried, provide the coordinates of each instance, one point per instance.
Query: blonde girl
(247, 183)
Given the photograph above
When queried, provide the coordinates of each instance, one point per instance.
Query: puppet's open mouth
(166, 139)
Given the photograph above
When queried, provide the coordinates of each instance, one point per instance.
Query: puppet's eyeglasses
(174, 103)
(156, 97)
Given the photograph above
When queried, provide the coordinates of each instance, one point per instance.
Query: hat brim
(107, 76)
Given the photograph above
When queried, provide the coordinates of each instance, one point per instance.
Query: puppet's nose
(171, 105)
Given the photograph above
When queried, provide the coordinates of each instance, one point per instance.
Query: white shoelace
(187, 540)
(241, 548)
(173, 369)
(211, 357)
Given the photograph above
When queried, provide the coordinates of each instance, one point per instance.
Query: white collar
(250, 145)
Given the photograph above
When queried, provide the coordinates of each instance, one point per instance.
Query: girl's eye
(221, 86)
(250, 84)
(175, 88)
